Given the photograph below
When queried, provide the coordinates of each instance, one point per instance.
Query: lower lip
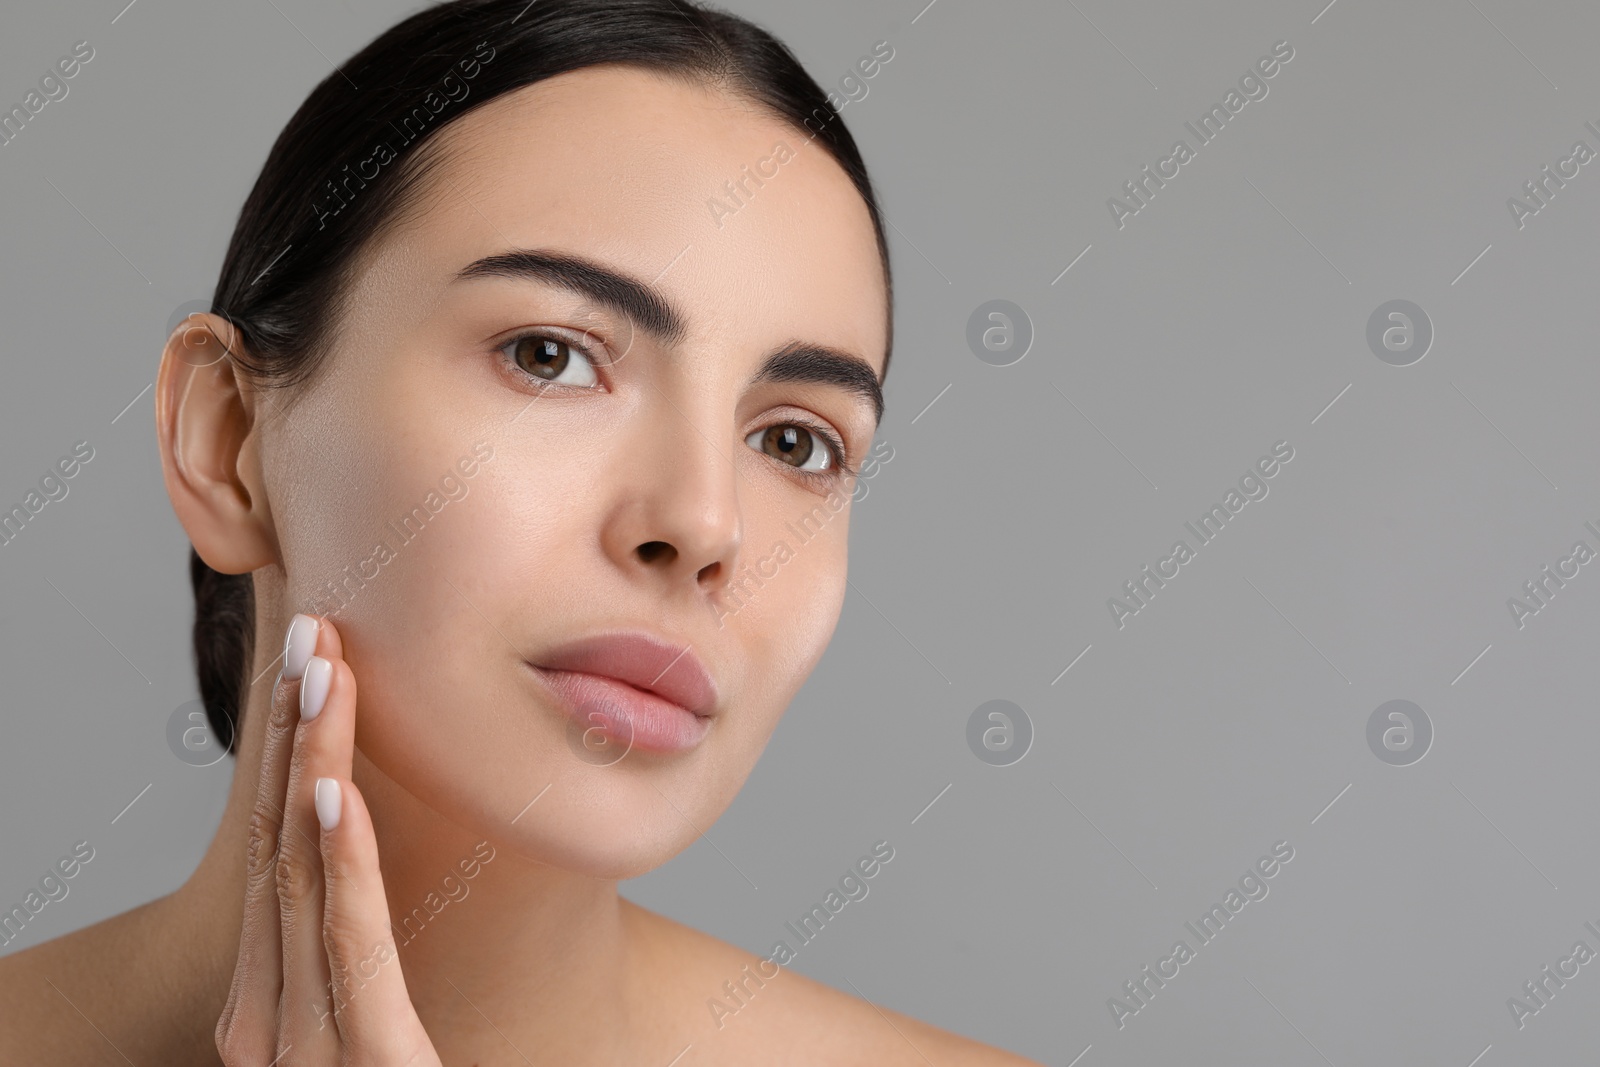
(629, 717)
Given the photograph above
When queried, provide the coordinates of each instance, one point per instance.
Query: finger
(373, 1008)
(249, 1020)
(323, 748)
(329, 644)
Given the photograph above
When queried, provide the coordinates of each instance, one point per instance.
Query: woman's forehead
(716, 201)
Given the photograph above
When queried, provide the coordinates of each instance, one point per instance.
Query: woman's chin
(552, 809)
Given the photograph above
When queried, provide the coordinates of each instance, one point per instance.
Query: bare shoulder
(96, 995)
(740, 1008)
(45, 987)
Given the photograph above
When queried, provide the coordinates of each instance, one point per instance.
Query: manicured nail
(298, 644)
(328, 802)
(314, 687)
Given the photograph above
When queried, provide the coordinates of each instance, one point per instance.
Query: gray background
(1224, 317)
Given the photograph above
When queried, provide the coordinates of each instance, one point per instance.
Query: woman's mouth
(630, 690)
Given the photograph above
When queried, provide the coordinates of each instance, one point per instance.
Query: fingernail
(314, 687)
(298, 644)
(327, 797)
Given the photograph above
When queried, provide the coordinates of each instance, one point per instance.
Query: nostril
(651, 551)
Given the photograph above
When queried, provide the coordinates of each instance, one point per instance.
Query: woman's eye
(795, 445)
(552, 360)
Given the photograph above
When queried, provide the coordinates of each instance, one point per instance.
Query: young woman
(542, 322)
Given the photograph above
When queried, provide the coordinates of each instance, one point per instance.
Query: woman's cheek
(424, 703)
(343, 493)
(369, 557)
(451, 616)
(790, 624)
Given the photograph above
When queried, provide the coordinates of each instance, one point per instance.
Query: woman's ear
(206, 416)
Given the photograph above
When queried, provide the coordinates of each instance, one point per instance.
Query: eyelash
(840, 468)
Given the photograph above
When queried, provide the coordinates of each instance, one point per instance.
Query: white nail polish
(298, 644)
(327, 798)
(314, 687)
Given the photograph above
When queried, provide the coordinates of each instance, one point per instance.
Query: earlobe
(206, 416)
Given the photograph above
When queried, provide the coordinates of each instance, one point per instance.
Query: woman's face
(624, 431)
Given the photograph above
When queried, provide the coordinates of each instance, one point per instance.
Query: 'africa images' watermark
(740, 594)
(336, 594)
(1252, 86)
(188, 729)
(999, 732)
(52, 887)
(1541, 589)
(722, 207)
(52, 487)
(1252, 486)
(52, 86)
(454, 889)
(451, 90)
(738, 192)
(1542, 990)
(737, 994)
(851, 87)
(1542, 189)
(1252, 887)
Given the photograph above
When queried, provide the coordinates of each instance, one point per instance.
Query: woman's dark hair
(348, 165)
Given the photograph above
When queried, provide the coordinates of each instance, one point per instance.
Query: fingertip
(345, 683)
(314, 685)
(355, 805)
(329, 643)
(336, 686)
(299, 642)
(329, 803)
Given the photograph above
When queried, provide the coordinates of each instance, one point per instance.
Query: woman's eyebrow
(637, 301)
(642, 303)
(801, 361)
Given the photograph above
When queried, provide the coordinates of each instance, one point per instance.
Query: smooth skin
(623, 494)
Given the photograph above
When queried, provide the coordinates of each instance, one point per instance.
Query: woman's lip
(633, 718)
(642, 661)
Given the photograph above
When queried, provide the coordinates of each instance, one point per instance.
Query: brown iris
(791, 444)
(543, 357)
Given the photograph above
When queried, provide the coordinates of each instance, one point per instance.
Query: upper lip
(642, 660)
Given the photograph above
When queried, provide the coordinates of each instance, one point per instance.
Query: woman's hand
(318, 978)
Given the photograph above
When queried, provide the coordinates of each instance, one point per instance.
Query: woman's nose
(676, 513)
